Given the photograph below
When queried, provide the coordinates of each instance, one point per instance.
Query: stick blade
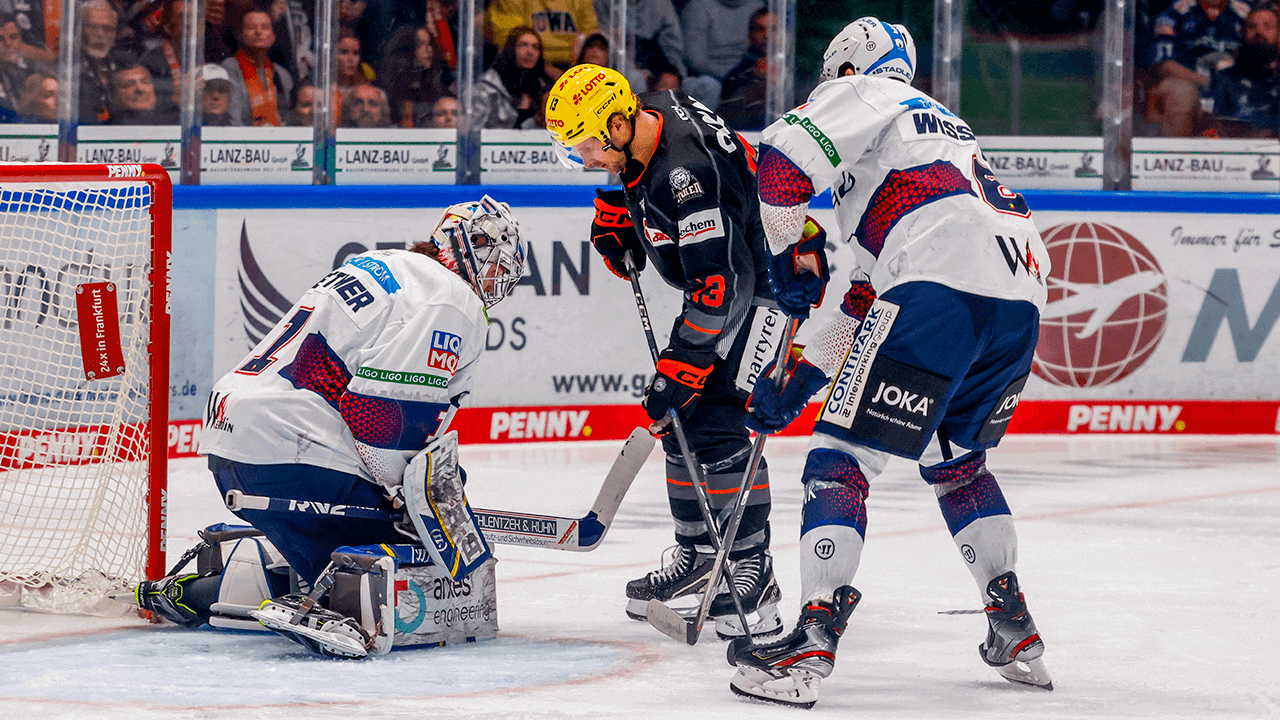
(671, 624)
(626, 466)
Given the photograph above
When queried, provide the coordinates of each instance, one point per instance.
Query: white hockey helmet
(871, 47)
(480, 241)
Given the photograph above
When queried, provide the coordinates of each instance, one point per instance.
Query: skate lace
(679, 562)
(747, 573)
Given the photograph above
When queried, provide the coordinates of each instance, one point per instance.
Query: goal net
(84, 338)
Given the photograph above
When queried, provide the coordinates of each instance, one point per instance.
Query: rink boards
(1160, 319)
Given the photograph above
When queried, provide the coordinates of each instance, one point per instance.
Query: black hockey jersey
(696, 209)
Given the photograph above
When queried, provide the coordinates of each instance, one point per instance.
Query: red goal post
(85, 267)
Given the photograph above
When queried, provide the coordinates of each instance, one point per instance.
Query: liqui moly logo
(444, 351)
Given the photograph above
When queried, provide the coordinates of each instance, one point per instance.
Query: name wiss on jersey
(696, 206)
(889, 153)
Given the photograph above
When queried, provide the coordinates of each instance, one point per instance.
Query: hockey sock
(977, 516)
(833, 523)
(722, 481)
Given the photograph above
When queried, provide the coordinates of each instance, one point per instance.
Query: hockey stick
(502, 526)
(669, 621)
(663, 619)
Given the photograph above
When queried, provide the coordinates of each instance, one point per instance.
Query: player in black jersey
(689, 206)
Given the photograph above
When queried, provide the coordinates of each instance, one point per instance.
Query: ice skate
(1013, 647)
(759, 594)
(790, 670)
(686, 575)
(165, 597)
(321, 631)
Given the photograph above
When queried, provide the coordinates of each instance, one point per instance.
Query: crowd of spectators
(396, 60)
(1213, 69)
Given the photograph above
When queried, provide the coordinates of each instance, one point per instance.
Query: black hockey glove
(795, 288)
(682, 376)
(770, 410)
(613, 234)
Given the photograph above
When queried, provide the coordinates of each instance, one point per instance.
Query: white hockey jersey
(377, 354)
(913, 193)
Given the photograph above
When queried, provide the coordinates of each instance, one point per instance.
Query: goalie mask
(871, 47)
(480, 241)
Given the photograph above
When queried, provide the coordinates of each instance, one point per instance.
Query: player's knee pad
(835, 491)
(966, 490)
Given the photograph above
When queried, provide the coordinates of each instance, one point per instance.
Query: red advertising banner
(99, 322)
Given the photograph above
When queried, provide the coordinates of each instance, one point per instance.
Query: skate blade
(797, 689)
(768, 622)
(327, 644)
(128, 597)
(1028, 672)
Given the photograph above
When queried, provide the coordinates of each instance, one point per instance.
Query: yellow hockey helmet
(582, 101)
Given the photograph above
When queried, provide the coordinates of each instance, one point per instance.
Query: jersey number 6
(999, 197)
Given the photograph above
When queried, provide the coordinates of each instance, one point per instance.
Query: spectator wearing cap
(215, 98)
(260, 89)
(1191, 37)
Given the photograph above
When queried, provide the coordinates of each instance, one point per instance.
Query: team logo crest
(684, 186)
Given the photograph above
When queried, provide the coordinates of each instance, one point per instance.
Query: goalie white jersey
(913, 193)
(363, 371)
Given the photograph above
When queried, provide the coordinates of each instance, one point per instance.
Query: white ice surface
(1151, 565)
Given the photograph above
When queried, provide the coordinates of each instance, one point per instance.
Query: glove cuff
(687, 368)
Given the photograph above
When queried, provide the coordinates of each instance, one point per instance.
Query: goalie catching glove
(682, 376)
(771, 409)
(797, 288)
(614, 235)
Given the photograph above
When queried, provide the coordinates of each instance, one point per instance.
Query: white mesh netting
(73, 452)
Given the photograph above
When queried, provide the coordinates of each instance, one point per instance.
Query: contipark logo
(824, 142)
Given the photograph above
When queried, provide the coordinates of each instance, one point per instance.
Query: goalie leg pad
(438, 508)
(254, 571)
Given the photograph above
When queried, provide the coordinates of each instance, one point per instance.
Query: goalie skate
(790, 670)
(321, 631)
(1013, 646)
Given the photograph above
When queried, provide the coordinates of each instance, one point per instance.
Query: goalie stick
(502, 526)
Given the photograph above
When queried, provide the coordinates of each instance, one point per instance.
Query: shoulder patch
(684, 186)
(824, 143)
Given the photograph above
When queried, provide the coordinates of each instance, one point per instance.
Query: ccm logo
(124, 171)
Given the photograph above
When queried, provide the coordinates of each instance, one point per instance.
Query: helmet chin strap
(633, 168)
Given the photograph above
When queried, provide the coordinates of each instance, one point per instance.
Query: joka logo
(1108, 302)
(896, 397)
(444, 351)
